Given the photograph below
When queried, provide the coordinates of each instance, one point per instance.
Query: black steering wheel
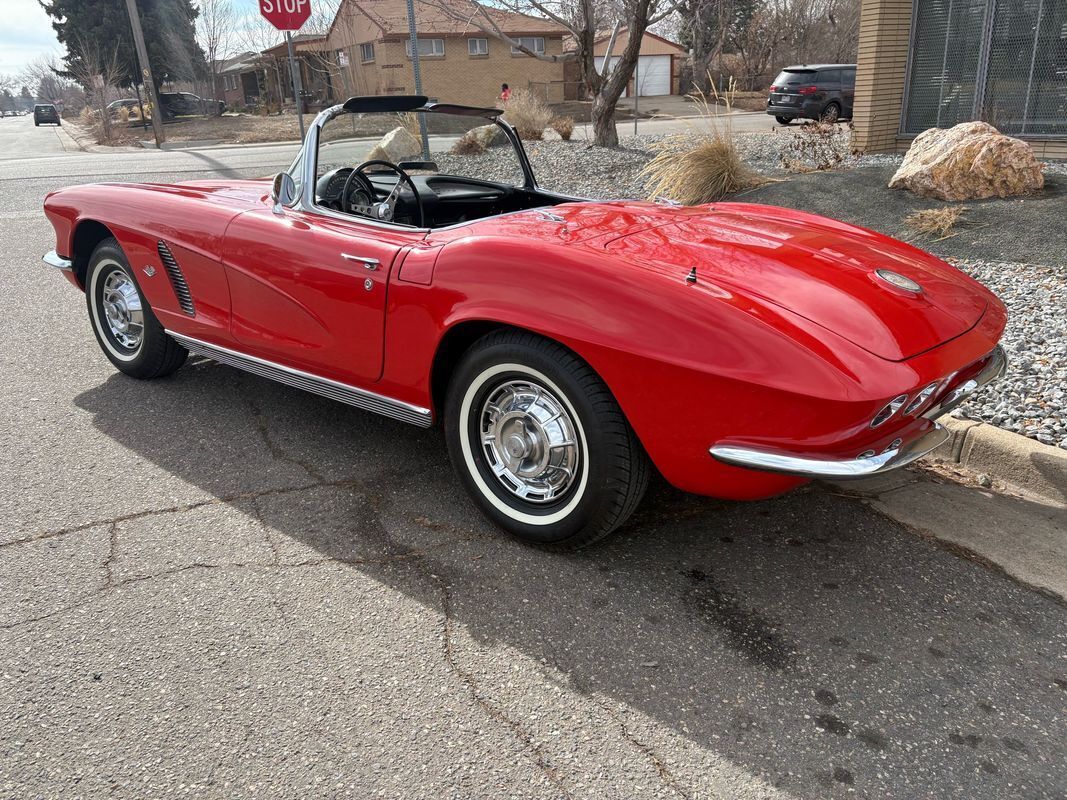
(373, 209)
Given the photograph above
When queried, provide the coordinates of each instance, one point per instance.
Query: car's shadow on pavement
(806, 639)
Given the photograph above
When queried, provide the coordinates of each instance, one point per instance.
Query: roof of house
(301, 41)
(391, 18)
(242, 62)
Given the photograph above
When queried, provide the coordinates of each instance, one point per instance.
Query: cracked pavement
(215, 586)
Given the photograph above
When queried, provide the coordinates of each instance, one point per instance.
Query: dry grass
(703, 166)
(528, 114)
(564, 126)
(469, 144)
(935, 221)
(816, 146)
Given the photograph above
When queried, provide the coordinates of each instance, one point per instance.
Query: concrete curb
(1017, 461)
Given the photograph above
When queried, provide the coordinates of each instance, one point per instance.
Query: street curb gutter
(1017, 461)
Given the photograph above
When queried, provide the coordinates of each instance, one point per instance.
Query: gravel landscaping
(1005, 244)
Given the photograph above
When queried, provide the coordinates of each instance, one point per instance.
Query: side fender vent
(177, 279)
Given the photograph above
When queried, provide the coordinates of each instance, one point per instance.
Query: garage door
(653, 74)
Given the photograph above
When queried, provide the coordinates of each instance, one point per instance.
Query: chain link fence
(1002, 61)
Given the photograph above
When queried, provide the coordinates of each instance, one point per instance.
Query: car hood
(818, 268)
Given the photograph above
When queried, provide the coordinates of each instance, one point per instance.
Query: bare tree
(44, 77)
(215, 27)
(99, 74)
(584, 20)
(258, 35)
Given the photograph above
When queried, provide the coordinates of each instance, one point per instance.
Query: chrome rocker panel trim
(334, 390)
(54, 259)
(812, 467)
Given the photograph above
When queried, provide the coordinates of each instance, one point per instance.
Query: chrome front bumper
(53, 259)
(814, 466)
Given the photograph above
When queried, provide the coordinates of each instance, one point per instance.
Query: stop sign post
(289, 16)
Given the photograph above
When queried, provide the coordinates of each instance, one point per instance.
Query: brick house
(238, 80)
(370, 53)
(930, 63)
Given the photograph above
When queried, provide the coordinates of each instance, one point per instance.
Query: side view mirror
(283, 192)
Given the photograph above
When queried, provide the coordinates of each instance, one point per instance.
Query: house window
(366, 52)
(478, 47)
(427, 47)
(535, 44)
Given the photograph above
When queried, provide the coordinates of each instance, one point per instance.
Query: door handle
(369, 263)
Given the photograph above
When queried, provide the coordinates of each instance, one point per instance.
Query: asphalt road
(215, 586)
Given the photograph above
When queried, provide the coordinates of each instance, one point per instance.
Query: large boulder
(397, 145)
(970, 161)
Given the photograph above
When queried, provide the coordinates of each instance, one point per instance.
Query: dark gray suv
(813, 91)
(45, 112)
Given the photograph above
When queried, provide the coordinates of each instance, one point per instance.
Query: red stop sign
(285, 15)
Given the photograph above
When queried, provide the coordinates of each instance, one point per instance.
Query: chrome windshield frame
(305, 164)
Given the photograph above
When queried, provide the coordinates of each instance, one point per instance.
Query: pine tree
(95, 29)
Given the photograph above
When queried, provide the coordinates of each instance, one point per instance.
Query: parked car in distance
(567, 346)
(45, 112)
(129, 103)
(813, 91)
(180, 104)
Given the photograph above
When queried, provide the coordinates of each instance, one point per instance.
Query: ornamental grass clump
(564, 126)
(528, 114)
(935, 221)
(702, 166)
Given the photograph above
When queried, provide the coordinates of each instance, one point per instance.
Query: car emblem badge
(898, 281)
(149, 270)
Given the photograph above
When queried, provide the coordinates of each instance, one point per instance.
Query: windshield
(454, 144)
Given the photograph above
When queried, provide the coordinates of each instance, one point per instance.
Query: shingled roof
(391, 18)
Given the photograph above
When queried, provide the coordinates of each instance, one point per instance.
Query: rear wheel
(783, 120)
(125, 327)
(540, 443)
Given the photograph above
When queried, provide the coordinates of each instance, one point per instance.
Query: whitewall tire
(539, 442)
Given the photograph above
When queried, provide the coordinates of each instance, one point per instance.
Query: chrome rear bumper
(53, 259)
(813, 466)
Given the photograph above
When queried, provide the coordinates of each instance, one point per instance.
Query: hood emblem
(898, 281)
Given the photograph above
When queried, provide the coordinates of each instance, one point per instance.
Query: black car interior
(384, 191)
(441, 199)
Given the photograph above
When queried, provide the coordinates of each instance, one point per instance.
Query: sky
(27, 33)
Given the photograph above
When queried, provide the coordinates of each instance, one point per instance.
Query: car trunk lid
(822, 270)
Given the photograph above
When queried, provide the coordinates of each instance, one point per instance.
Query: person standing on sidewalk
(505, 93)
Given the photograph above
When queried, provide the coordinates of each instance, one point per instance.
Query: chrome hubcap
(530, 441)
(122, 309)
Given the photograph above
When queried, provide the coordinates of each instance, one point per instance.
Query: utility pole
(298, 83)
(146, 73)
(413, 36)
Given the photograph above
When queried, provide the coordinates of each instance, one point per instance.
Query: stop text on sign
(285, 15)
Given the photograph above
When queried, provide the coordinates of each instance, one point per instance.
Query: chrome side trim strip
(813, 467)
(53, 259)
(334, 390)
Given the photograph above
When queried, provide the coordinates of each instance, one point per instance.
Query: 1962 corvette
(566, 346)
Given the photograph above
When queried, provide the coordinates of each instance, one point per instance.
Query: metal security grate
(1002, 61)
(177, 279)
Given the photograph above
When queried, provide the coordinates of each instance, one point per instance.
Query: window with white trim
(478, 47)
(427, 47)
(535, 44)
(366, 52)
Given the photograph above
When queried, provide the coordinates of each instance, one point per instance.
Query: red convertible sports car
(567, 346)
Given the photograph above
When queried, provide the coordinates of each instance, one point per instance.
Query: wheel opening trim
(316, 384)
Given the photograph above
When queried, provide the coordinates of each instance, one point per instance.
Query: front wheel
(830, 113)
(540, 443)
(125, 327)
